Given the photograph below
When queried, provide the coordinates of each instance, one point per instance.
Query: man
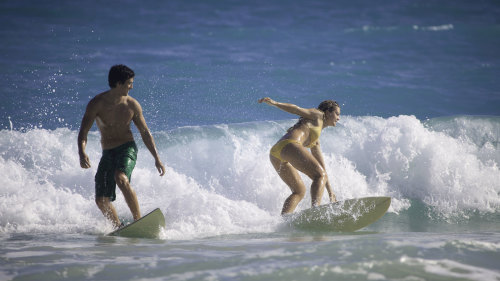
(113, 110)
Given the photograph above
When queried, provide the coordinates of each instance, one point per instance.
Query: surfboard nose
(149, 226)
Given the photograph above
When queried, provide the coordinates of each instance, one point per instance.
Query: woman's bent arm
(316, 152)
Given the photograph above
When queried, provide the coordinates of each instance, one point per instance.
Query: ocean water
(419, 90)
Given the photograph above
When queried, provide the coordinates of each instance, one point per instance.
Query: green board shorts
(120, 158)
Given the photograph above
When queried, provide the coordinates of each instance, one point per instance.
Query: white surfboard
(343, 216)
(148, 226)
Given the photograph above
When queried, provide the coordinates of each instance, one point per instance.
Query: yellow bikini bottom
(278, 147)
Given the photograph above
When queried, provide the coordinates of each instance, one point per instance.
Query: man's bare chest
(115, 115)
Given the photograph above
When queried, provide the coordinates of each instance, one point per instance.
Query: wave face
(219, 179)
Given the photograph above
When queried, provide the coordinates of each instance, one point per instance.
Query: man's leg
(129, 194)
(108, 210)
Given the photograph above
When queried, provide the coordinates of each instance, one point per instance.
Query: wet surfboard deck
(341, 216)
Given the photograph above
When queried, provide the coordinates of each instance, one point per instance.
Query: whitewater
(219, 179)
(222, 200)
(417, 82)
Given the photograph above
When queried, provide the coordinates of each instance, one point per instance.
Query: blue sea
(417, 81)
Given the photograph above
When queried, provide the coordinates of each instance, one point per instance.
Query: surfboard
(342, 216)
(148, 226)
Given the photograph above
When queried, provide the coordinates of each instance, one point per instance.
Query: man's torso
(113, 120)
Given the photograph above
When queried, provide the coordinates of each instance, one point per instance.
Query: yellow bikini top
(314, 133)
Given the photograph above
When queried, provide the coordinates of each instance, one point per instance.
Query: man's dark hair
(119, 73)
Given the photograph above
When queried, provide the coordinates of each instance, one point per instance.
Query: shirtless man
(113, 110)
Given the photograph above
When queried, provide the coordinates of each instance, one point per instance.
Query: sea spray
(219, 179)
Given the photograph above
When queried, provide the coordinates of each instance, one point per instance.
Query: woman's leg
(301, 159)
(290, 176)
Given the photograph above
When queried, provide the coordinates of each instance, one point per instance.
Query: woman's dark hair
(119, 73)
(328, 105)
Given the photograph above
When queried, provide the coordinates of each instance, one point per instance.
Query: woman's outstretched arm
(308, 113)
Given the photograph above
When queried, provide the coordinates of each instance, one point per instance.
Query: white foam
(443, 27)
(219, 179)
(401, 157)
(37, 192)
(451, 269)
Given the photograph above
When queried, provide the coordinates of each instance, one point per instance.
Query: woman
(290, 155)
